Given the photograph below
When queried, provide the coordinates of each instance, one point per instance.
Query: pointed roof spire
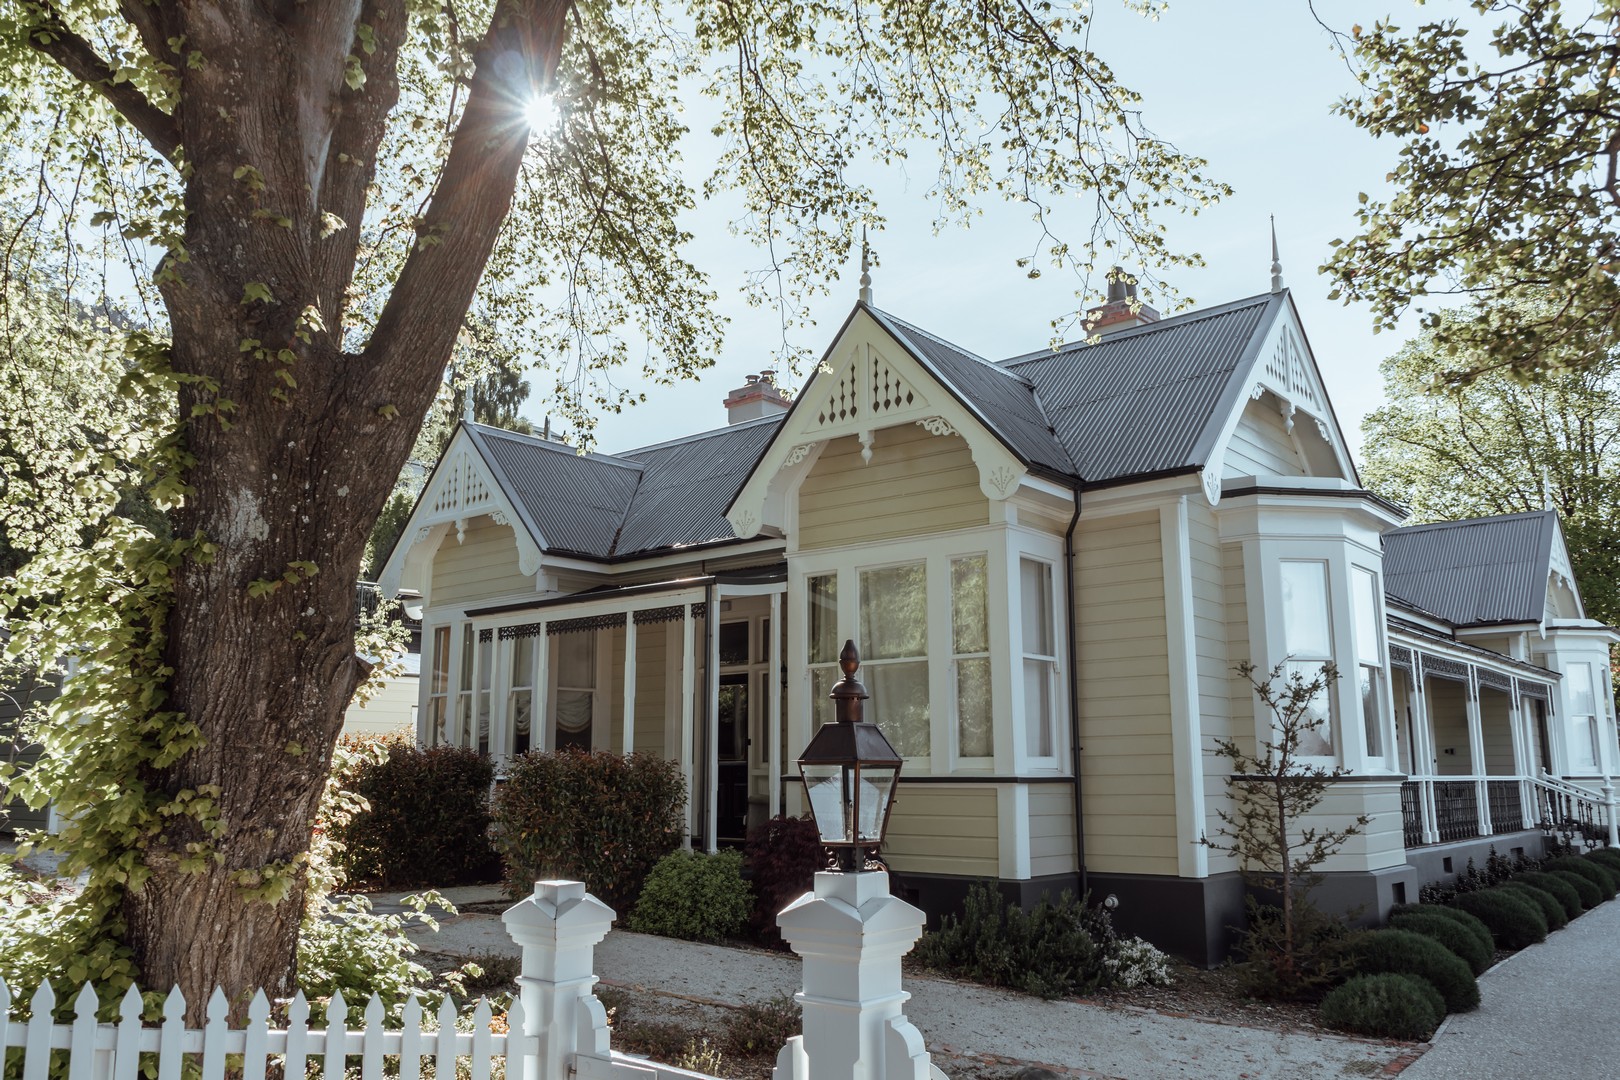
(467, 405)
(1276, 263)
(866, 269)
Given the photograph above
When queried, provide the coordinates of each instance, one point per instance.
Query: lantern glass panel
(876, 785)
(829, 789)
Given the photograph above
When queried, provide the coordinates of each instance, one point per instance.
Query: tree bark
(312, 448)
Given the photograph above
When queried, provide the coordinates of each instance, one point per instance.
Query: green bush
(1589, 894)
(1471, 923)
(1568, 897)
(1551, 909)
(1452, 935)
(1053, 951)
(694, 896)
(1591, 871)
(600, 818)
(1318, 958)
(1605, 856)
(1387, 1006)
(1405, 953)
(429, 819)
(1514, 922)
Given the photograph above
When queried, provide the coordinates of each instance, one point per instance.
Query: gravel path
(967, 1025)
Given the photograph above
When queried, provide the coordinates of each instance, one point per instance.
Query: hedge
(1551, 909)
(1514, 922)
(1470, 923)
(694, 896)
(1406, 953)
(1453, 935)
(428, 825)
(1387, 1006)
(596, 817)
(1565, 893)
(1591, 871)
(1588, 893)
(1605, 856)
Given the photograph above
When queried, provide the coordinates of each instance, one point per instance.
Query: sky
(1247, 84)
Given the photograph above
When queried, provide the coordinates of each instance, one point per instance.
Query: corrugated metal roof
(1005, 401)
(687, 485)
(1142, 401)
(1476, 572)
(576, 502)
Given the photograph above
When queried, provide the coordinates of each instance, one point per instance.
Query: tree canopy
(1500, 445)
(1507, 183)
(302, 203)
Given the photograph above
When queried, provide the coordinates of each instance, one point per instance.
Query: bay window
(894, 654)
(574, 703)
(1583, 711)
(1039, 645)
(1308, 643)
(1369, 656)
(970, 655)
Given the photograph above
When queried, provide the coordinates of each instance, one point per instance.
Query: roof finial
(1547, 502)
(866, 269)
(467, 404)
(1276, 263)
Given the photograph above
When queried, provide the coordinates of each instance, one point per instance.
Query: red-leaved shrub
(783, 855)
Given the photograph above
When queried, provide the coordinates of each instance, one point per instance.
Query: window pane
(734, 643)
(441, 659)
(466, 657)
(1035, 584)
(1038, 707)
(899, 705)
(574, 710)
(576, 659)
(821, 706)
(1305, 609)
(894, 612)
(1581, 698)
(824, 618)
(1317, 742)
(486, 663)
(1366, 611)
(1369, 710)
(523, 662)
(970, 629)
(973, 708)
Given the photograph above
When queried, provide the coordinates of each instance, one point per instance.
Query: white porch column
(1476, 754)
(711, 725)
(540, 727)
(558, 929)
(1423, 750)
(688, 691)
(773, 718)
(629, 682)
(852, 934)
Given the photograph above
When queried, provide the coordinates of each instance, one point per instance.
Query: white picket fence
(98, 1051)
(850, 931)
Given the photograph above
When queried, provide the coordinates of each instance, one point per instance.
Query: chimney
(756, 398)
(1117, 313)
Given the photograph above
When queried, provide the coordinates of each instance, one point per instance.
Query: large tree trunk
(311, 448)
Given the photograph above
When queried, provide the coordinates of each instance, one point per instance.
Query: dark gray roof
(1149, 400)
(1004, 401)
(1478, 572)
(609, 506)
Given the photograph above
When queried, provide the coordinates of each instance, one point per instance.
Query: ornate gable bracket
(460, 489)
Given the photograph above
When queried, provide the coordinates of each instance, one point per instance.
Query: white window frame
(958, 759)
(1388, 757)
(1023, 656)
(1585, 724)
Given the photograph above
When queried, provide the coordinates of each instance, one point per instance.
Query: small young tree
(1273, 790)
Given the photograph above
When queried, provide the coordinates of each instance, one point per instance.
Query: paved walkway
(1552, 1010)
(964, 1021)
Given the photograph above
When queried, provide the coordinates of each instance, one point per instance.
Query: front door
(731, 800)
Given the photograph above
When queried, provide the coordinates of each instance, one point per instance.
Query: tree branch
(51, 36)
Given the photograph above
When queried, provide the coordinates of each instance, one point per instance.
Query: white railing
(1565, 807)
(850, 931)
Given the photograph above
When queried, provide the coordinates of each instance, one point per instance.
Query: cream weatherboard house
(1051, 565)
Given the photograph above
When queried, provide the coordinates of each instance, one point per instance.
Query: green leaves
(256, 292)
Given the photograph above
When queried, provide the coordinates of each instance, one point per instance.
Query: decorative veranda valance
(1400, 657)
(1496, 680)
(1439, 667)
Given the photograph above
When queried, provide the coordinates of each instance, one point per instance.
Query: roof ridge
(967, 353)
(1184, 318)
(538, 443)
(700, 435)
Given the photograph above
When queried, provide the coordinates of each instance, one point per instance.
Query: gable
(925, 484)
(1478, 572)
(869, 380)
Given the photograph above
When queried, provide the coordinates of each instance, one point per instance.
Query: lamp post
(849, 772)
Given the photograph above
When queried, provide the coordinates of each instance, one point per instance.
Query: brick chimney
(1117, 313)
(756, 398)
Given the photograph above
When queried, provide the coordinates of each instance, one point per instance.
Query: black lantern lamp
(849, 771)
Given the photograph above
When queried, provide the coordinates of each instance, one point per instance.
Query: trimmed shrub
(1387, 1006)
(1514, 922)
(1591, 871)
(429, 819)
(1551, 909)
(1050, 952)
(595, 817)
(1562, 891)
(694, 896)
(1405, 953)
(1471, 923)
(1452, 935)
(782, 855)
(1589, 894)
(1605, 856)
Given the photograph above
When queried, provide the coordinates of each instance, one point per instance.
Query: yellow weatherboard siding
(484, 564)
(944, 829)
(651, 639)
(1233, 717)
(1128, 781)
(1051, 829)
(916, 484)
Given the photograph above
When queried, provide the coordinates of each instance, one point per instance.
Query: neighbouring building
(1051, 564)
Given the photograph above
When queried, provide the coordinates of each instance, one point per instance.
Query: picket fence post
(852, 932)
(558, 928)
